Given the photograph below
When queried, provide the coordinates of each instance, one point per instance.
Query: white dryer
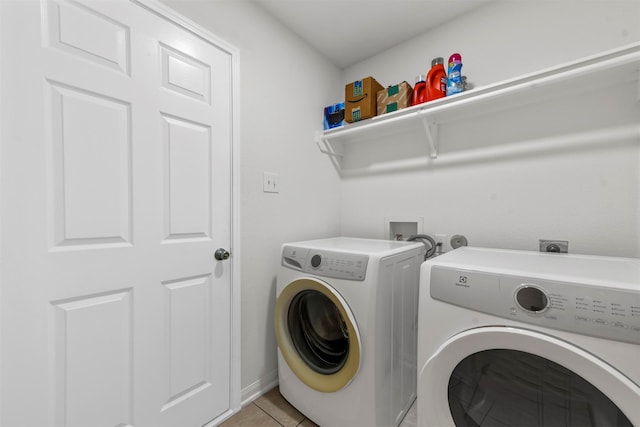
(345, 322)
(516, 338)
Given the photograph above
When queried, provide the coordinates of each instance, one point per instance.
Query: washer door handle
(221, 254)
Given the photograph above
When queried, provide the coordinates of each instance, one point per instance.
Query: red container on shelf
(436, 80)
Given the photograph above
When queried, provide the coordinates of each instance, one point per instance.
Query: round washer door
(492, 372)
(317, 335)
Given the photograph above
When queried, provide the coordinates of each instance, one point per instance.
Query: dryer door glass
(515, 388)
(318, 332)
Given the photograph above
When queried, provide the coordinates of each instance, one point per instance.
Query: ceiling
(348, 31)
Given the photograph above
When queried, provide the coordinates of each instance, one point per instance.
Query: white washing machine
(515, 338)
(345, 322)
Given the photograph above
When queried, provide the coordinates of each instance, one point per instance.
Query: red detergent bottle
(419, 91)
(436, 80)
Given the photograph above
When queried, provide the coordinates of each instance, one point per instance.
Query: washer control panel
(338, 265)
(589, 310)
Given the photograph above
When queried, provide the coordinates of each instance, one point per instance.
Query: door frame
(154, 6)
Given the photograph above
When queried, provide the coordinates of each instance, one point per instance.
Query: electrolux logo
(462, 281)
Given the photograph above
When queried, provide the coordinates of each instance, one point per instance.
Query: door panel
(116, 137)
(189, 347)
(187, 179)
(92, 345)
(185, 75)
(67, 27)
(91, 180)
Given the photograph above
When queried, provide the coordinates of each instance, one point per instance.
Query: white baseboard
(253, 391)
(248, 395)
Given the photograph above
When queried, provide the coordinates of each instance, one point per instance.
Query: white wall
(587, 195)
(282, 93)
(593, 202)
(508, 38)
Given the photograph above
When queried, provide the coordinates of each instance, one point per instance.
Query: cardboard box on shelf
(394, 98)
(360, 99)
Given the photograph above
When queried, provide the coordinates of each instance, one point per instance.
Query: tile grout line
(271, 416)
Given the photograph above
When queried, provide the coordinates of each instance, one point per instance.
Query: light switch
(270, 183)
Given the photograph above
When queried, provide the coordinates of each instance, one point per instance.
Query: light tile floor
(272, 410)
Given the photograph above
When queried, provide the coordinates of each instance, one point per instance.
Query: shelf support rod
(328, 150)
(431, 130)
(336, 158)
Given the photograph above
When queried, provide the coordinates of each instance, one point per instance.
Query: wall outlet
(443, 240)
(557, 246)
(270, 183)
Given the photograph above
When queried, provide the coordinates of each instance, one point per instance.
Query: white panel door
(116, 192)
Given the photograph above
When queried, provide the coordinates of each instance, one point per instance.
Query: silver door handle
(221, 254)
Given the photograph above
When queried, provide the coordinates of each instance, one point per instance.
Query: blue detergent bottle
(455, 83)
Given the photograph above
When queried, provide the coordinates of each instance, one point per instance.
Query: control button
(619, 325)
(583, 319)
(601, 321)
(316, 260)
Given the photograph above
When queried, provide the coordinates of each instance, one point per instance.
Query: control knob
(316, 260)
(532, 299)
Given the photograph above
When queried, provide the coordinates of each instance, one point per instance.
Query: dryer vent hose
(431, 245)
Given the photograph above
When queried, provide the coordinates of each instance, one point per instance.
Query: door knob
(221, 254)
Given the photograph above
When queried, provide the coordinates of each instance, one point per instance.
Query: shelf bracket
(327, 149)
(431, 130)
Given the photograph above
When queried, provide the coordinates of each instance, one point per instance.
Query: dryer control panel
(599, 311)
(338, 265)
